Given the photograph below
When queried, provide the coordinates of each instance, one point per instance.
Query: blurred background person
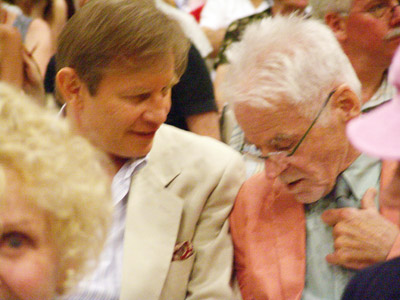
(236, 28)
(53, 12)
(35, 33)
(216, 15)
(377, 134)
(189, 26)
(17, 66)
(11, 61)
(55, 201)
(193, 104)
(369, 33)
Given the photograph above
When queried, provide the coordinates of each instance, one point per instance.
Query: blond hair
(119, 33)
(62, 175)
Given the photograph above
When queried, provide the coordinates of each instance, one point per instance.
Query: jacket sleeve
(211, 277)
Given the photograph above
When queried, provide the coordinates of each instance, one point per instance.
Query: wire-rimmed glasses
(253, 151)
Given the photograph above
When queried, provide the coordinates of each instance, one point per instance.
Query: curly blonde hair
(62, 174)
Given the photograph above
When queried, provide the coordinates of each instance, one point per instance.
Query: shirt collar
(384, 93)
(362, 174)
(131, 167)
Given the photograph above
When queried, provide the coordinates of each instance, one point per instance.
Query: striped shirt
(105, 282)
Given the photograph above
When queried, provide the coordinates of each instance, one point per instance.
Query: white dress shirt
(105, 282)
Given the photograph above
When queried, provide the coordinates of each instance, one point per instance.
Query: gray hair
(291, 58)
(321, 7)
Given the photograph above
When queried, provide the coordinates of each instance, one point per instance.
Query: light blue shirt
(325, 281)
(105, 282)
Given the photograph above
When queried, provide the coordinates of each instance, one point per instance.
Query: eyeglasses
(253, 151)
(381, 9)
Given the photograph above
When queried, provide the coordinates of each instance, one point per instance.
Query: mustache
(392, 34)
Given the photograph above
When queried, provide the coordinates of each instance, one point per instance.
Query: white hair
(321, 7)
(288, 59)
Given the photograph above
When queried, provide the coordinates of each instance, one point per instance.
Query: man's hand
(362, 237)
(33, 83)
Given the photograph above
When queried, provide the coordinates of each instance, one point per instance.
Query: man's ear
(346, 103)
(68, 84)
(337, 24)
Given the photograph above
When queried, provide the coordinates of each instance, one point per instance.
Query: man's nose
(274, 166)
(158, 109)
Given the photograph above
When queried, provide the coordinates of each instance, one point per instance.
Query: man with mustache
(369, 33)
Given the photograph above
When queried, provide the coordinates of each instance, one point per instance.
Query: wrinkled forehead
(160, 62)
(263, 122)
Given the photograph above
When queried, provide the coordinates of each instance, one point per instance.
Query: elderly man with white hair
(302, 227)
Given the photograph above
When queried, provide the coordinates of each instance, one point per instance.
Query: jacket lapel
(153, 218)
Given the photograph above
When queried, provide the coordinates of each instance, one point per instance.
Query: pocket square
(182, 251)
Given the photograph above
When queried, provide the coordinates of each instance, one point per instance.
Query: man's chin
(308, 197)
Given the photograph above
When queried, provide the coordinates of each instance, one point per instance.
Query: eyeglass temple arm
(312, 123)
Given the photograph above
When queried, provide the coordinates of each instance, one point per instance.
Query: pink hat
(377, 133)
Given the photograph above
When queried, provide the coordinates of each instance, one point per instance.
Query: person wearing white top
(216, 15)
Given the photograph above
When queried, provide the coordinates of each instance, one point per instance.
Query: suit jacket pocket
(175, 286)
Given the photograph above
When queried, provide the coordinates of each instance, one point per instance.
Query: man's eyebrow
(281, 137)
(135, 90)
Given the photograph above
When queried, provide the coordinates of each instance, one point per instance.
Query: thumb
(368, 200)
(332, 216)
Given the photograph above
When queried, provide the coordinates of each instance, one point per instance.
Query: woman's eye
(14, 241)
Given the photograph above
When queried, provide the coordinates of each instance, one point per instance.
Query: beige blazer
(185, 193)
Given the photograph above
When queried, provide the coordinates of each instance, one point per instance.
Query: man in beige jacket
(173, 190)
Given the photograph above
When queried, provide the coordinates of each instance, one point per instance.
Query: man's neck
(351, 155)
(370, 76)
(370, 84)
(117, 162)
